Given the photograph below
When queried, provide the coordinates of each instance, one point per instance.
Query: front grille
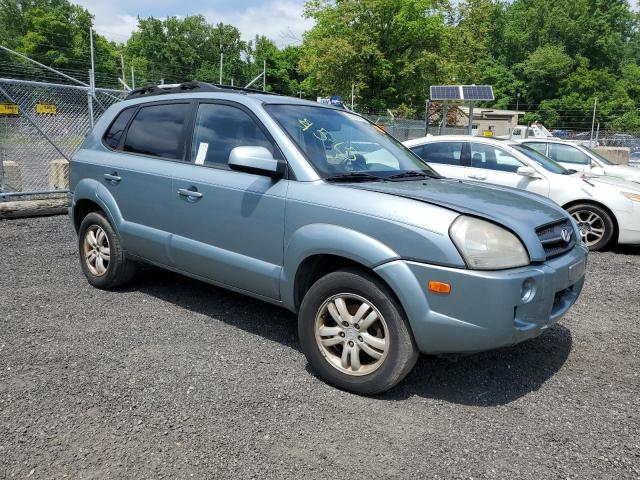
(551, 237)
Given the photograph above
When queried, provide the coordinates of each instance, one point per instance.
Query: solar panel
(445, 92)
(462, 92)
(477, 92)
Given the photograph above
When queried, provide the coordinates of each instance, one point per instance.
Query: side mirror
(256, 160)
(527, 172)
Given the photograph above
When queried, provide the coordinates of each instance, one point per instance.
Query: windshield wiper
(412, 174)
(355, 177)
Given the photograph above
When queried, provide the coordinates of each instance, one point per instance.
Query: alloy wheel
(591, 225)
(97, 252)
(352, 334)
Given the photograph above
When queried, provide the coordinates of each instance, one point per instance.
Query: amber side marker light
(439, 287)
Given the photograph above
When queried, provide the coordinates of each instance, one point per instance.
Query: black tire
(119, 269)
(402, 352)
(582, 211)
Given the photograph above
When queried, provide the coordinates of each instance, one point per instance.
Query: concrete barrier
(617, 155)
(59, 174)
(12, 176)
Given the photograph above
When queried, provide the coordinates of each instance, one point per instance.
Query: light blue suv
(317, 210)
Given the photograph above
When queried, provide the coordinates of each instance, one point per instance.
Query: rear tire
(596, 225)
(355, 334)
(102, 258)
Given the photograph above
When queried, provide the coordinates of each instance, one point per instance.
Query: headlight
(486, 246)
(635, 197)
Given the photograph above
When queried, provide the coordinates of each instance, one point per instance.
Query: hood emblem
(566, 235)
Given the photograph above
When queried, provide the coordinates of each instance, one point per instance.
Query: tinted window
(158, 130)
(447, 153)
(567, 154)
(492, 158)
(221, 128)
(114, 134)
(538, 147)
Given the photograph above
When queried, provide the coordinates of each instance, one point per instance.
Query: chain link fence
(41, 126)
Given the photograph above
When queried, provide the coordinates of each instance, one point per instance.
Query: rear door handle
(112, 177)
(185, 192)
(477, 177)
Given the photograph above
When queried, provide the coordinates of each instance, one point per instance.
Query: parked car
(606, 209)
(319, 211)
(582, 159)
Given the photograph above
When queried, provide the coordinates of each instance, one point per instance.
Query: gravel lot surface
(173, 378)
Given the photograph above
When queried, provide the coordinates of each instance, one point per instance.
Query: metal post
(597, 136)
(133, 78)
(353, 85)
(93, 64)
(232, 81)
(264, 75)
(426, 117)
(517, 107)
(90, 99)
(593, 120)
(471, 118)
(221, 62)
(443, 122)
(124, 80)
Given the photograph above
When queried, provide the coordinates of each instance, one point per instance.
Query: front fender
(327, 239)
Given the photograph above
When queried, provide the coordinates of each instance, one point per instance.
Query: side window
(492, 158)
(221, 128)
(158, 130)
(538, 147)
(567, 154)
(114, 134)
(446, 153)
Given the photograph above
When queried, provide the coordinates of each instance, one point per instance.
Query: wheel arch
(616, 227)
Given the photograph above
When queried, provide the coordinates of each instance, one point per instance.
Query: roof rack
(187, 87)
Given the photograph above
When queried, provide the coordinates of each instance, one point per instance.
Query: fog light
(528, 290)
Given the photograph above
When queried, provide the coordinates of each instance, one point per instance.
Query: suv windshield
(342, 145)
(542, 160)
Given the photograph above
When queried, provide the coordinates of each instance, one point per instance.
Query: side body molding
(328, 239)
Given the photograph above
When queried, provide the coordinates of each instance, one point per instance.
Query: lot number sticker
(202, 153)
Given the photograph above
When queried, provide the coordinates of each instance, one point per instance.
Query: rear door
(446, 157)
(228, 226)
(145, 142)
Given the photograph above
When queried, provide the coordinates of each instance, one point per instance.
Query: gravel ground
(173, 378)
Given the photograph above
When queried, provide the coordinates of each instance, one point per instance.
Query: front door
(491, 164)
(228, 226)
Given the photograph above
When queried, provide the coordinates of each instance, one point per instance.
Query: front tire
(102, 258)
(355, 334)
(595, 224)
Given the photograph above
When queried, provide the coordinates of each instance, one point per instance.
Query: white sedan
(607, 209)
(581, 158)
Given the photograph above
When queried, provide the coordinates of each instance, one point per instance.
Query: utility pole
(353, 86)
(264, 75)
(221, 62)
(593, 121)
(133, 79)
(232, 81)
(300, 92)
(517, 107)
(124, 80)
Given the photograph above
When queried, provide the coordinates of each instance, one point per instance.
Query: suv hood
(519, 211)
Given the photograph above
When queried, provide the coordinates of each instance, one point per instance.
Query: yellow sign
(487, 133)
(46, 108)
(9, 109)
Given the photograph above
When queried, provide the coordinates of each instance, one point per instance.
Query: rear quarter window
(115, 131)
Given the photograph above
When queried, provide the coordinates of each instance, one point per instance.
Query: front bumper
(629, 225)
(485, 309)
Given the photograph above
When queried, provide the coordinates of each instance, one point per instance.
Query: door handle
(112, 177)
(478, 177)
(185, 192)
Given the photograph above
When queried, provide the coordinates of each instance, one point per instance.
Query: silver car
(319, 211)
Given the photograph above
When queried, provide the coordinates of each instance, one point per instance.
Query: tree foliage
(553, 57)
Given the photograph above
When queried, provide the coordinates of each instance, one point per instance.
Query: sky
(281, 21)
